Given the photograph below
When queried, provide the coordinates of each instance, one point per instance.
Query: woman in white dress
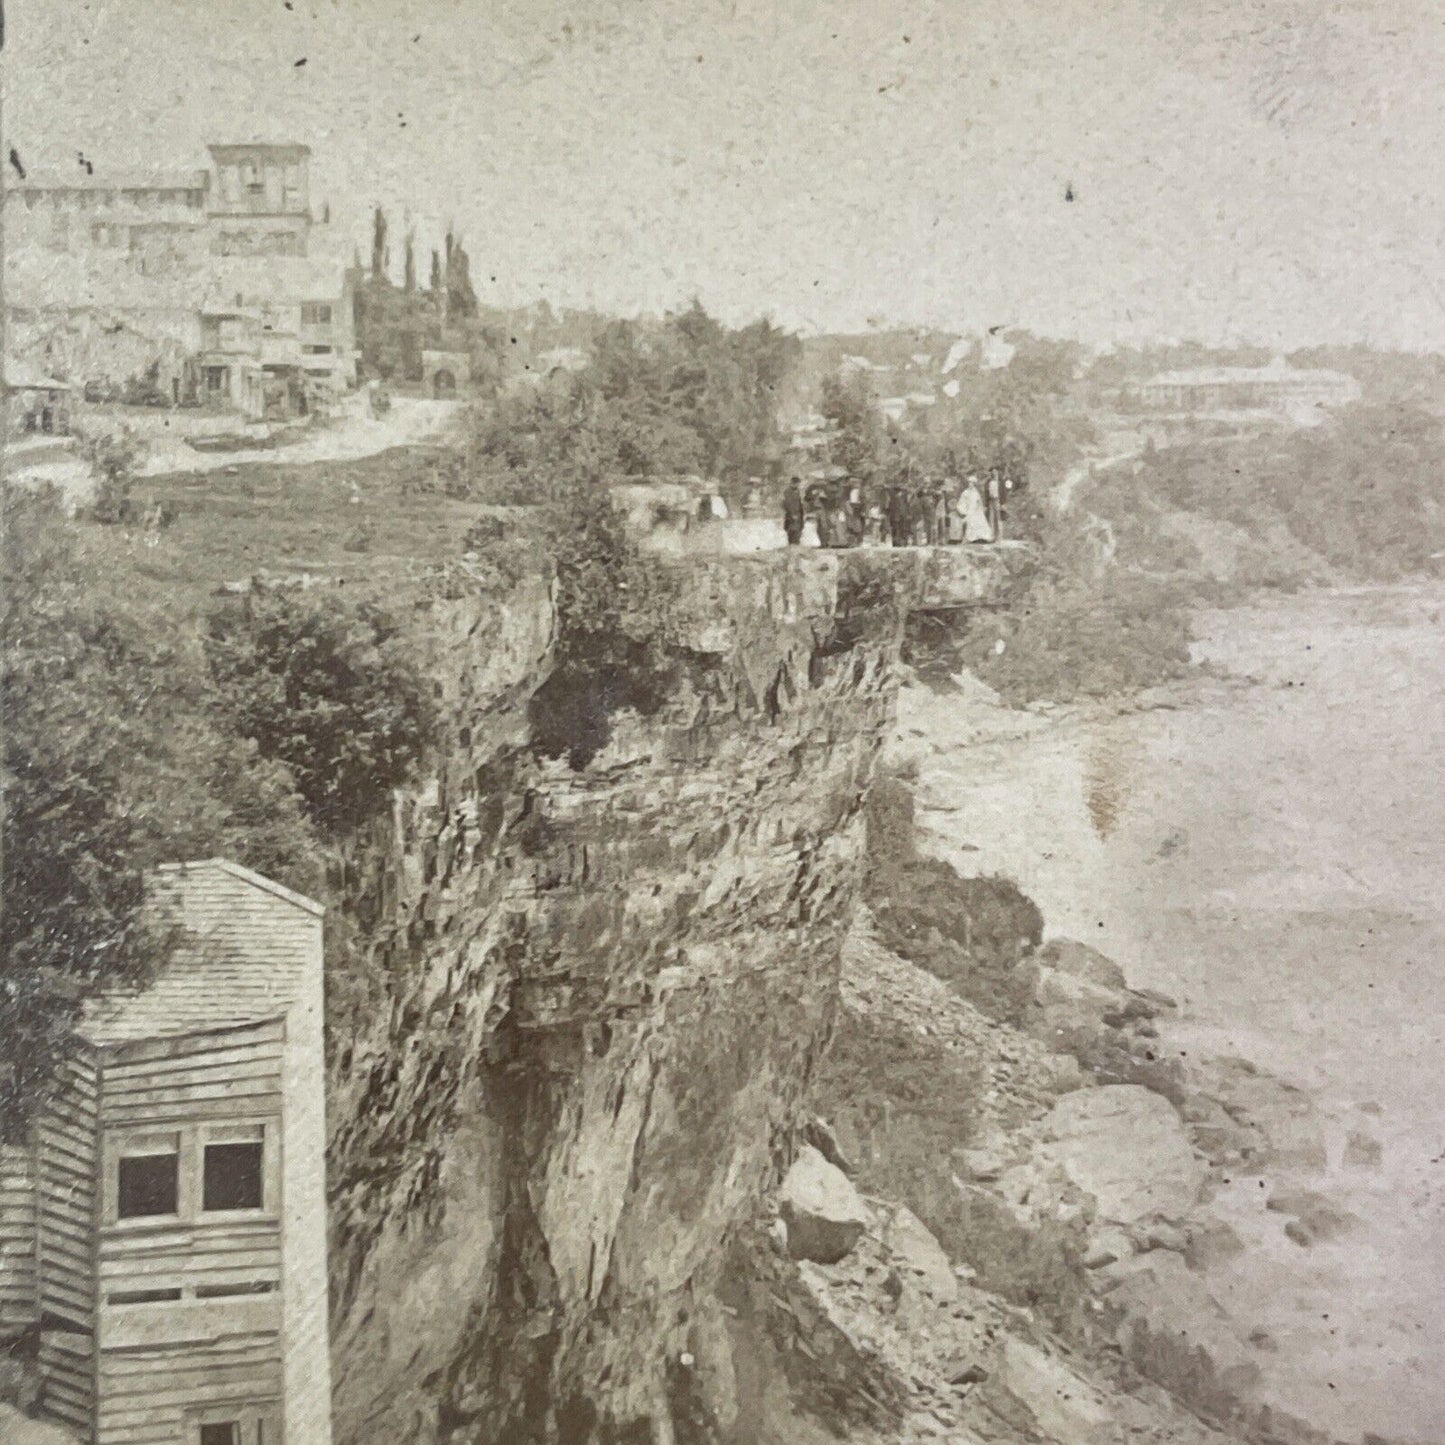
(971, 509)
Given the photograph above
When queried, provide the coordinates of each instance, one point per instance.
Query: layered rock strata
(585, 1004)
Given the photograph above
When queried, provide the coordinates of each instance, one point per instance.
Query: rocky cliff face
(592, 1000)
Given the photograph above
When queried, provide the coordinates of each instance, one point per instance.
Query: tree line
(395, 324)
(132, 736)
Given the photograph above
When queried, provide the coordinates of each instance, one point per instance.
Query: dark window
(221, 1433)
(142, 1296)
(148, 1185)
(229, 1291)
(232, 1176)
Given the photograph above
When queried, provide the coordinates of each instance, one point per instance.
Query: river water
(1270, 856)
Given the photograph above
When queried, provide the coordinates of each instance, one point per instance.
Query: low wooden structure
(165, 1232)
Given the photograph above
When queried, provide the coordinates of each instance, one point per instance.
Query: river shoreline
(1203, 835)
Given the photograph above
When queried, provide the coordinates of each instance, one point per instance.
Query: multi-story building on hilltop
(253, 200)
(111, 275)
(261, 201)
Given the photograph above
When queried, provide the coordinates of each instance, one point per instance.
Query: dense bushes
(114, 759)
(681, 395)
(1084, 626)
(1071, 639)
(332, 692)
(971, 932)
(132, 736)
(610, 650)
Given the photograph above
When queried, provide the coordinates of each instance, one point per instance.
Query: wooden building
(165, 1232)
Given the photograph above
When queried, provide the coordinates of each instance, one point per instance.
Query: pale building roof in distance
(228, 151)
(20, 375)
(103, 180)
(1243, 375)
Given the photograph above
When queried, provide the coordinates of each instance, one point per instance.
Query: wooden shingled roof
(248, 943)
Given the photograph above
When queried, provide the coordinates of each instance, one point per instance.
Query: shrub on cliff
(1361, 492)
(610, 650)
(331, 690)
(971, 932)
(1072, 638)
(1083, 626)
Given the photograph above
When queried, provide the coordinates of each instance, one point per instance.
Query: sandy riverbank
(1267, 855)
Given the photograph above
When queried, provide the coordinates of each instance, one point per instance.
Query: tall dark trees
(378, 245)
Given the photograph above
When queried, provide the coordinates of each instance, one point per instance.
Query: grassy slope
(272, 516)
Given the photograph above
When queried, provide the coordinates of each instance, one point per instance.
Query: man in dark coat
(793, 512)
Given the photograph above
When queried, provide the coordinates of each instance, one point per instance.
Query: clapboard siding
(215, 1105)
(231, 1074)
(202, 1048)
(65, 1167)
(145, 1394)
(18, 1306)
(186, 1256)
(66, 1362)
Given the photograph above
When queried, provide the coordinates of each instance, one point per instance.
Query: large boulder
(1080, 961)
(1283, 1116)
(1128, 1148)
(1061, 1406)
(919, 1256)
(823, 1212)
(1315, 1218)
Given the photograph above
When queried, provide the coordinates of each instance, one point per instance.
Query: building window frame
(246, 1137)
(189, 1142)
(137, 1145)
(255, 1422)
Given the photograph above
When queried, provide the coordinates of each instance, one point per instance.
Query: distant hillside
(1357, 499)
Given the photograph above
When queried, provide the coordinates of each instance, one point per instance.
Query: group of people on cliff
(936, 511)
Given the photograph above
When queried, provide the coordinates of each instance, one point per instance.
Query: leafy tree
(114, 759)
(1014, 416)
(409, 282)
(851, 409)
(330, 690)
(461, 299)
(569, 429)
(113, 457)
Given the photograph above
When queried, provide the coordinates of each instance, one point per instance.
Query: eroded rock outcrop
(592, 999)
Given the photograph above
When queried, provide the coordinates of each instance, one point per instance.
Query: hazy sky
(1265, 169)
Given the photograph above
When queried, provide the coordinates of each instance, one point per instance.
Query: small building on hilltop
(164, 1232)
